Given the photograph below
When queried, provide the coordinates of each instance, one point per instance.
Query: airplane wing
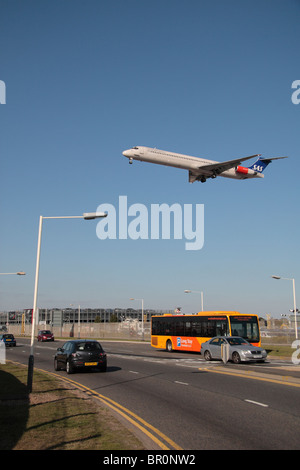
(219, 167)
(215, 169)
(271, 159)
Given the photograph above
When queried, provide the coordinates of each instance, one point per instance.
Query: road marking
(181, 383)
(257, 403)
(121, 410)
(283, 380)
(133, 372)
(125, 413)
(193, 366)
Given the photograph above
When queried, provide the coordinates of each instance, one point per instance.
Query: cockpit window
(135, 148)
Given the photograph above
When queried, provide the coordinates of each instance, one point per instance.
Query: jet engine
(245, 171)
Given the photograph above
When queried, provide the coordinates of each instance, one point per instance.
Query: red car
(45, 335)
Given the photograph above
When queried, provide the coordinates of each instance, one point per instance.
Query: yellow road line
(125, 413)
(121, 410)
(254, 377)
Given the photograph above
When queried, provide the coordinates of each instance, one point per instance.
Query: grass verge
(55, 416)
(277, 348)
(279, 351)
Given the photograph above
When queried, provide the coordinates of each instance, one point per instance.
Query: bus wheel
(207, 356)
(169, 346)
(236, 358)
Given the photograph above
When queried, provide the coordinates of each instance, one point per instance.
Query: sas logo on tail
(258, 168)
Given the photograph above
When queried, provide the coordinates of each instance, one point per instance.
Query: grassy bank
(277, 347)
(55, 416)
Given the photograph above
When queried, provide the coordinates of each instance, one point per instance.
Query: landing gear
(130, 161)
(203, 178)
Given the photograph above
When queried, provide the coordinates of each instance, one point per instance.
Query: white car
(239, 349)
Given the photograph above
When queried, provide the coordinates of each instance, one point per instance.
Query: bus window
(188, 329)
(217, 327)
(246, 327)
(179, 327)
(221, 328)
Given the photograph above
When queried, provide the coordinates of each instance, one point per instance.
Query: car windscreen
(237, 341)
(89, 347)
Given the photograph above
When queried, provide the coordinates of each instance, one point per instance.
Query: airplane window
(135, 148)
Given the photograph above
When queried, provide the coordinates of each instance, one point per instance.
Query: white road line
(181, 383)
(133, 372)
(257, 403)
(191, 367)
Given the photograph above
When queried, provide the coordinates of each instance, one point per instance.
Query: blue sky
(86, 80)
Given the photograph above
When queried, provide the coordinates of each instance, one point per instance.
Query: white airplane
(199, 168)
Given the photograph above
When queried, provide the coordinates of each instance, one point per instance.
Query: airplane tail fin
(261, 163)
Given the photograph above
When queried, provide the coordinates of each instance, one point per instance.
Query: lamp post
(78, 321)
(294, 298)
(20, 273)
(195, 292)
(86, 216)
(142, 316)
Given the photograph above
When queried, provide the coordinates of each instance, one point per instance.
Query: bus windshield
(244, 326)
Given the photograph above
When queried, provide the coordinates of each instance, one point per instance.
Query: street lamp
(195, 292)
(294, 298)
(86, 216)
(142, 316)
(20, 273)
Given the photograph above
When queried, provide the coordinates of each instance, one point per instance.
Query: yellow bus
(186, 332)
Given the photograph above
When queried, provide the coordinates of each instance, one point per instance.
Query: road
(180, 401)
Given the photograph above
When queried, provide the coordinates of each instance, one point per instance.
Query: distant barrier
(126, 330)
(122, 331)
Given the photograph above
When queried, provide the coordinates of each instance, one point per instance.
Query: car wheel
(169, 347)
(69, 368)
(56, 367)
(236, 357)
(102, 368)
(207, 356)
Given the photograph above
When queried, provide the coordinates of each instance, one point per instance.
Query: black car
(80, 354)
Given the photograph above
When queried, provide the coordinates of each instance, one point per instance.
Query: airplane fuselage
(187, 162)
